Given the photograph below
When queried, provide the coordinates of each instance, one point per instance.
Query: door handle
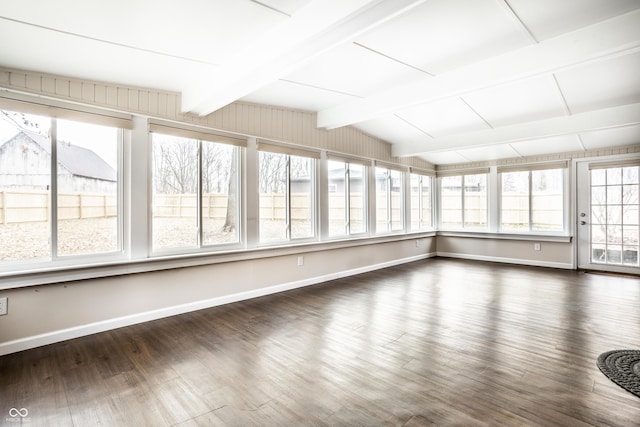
(583, 222)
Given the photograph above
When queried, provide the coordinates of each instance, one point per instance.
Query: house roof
(78, 160)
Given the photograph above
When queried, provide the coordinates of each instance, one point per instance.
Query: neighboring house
(25, 161)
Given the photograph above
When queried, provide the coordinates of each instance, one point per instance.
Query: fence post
(80, 205)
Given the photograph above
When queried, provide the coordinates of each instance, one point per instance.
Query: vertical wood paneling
(48, 85)
(101, 94)
(62, 87)
(162, 104)
(18, 80)
(112, 96)
(33, 82)
(75, 89)
(5, 78)
(153, 103)
(275, 123)
(143, 101)
(123, 97)
(88, 92)
(132, 102)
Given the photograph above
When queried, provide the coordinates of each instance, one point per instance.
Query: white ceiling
(450, 81)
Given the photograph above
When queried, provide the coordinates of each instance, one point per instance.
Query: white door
(608, 215)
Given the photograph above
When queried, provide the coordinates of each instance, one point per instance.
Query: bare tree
(272, 172)
(175, 166)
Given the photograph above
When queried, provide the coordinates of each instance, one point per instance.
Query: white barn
(25, 160)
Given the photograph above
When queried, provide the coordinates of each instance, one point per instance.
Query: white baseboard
(531, 262)
(106, 325)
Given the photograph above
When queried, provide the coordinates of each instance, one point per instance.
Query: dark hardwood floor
(436, 342)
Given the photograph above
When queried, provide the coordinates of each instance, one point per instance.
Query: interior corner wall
(50, 313)
(551, 254)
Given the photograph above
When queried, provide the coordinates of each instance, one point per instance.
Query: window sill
(558, 238)
(67, 273)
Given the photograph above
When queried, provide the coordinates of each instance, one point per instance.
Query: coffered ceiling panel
(549, 18)
(354, 70)
(604, 138)
(527, 100)
(602, 84)
(444, 117)
(490, 152)
(445, 157)
(294, 95)
(450, 81)
(557, 144)
(393, 128)
(441, 35)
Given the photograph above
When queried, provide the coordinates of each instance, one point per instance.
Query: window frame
(390, 219)
(430, 177)
(462, 174)
(54, 113)
(366, 170)
(530, 168)
(199, 136)
(288, 152)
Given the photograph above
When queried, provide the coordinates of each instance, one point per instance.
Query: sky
(99, 139)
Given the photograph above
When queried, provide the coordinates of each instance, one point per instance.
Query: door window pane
(614, 216)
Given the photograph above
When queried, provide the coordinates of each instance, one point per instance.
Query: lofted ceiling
(449, 81)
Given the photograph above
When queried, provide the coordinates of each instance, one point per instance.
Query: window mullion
(462, 194)
(530, 200)
(53, 193)
(288, 199)
(199, 238)
(347, 197)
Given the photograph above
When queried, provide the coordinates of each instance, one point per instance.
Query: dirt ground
(31, 240)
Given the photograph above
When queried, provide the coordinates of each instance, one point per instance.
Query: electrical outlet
(300, 260)
(536, 246)
(417, 243)
(3, 306)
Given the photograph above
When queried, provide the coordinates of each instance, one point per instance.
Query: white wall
(49, 313)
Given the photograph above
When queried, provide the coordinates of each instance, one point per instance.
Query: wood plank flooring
(436, 342)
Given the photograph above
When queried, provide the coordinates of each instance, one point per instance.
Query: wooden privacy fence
(20, 206)
(23, 206)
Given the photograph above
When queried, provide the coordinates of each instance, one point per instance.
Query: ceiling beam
(314, 29)
(624, 115)
(597, 42)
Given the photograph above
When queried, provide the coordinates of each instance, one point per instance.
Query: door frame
(581, 188)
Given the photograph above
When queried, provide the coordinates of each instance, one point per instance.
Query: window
(287, 194)
(59, 188)
(532, 200)
(348, 204)
(464, 201)
(389, 201)
(421, 202)
(195, 192)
